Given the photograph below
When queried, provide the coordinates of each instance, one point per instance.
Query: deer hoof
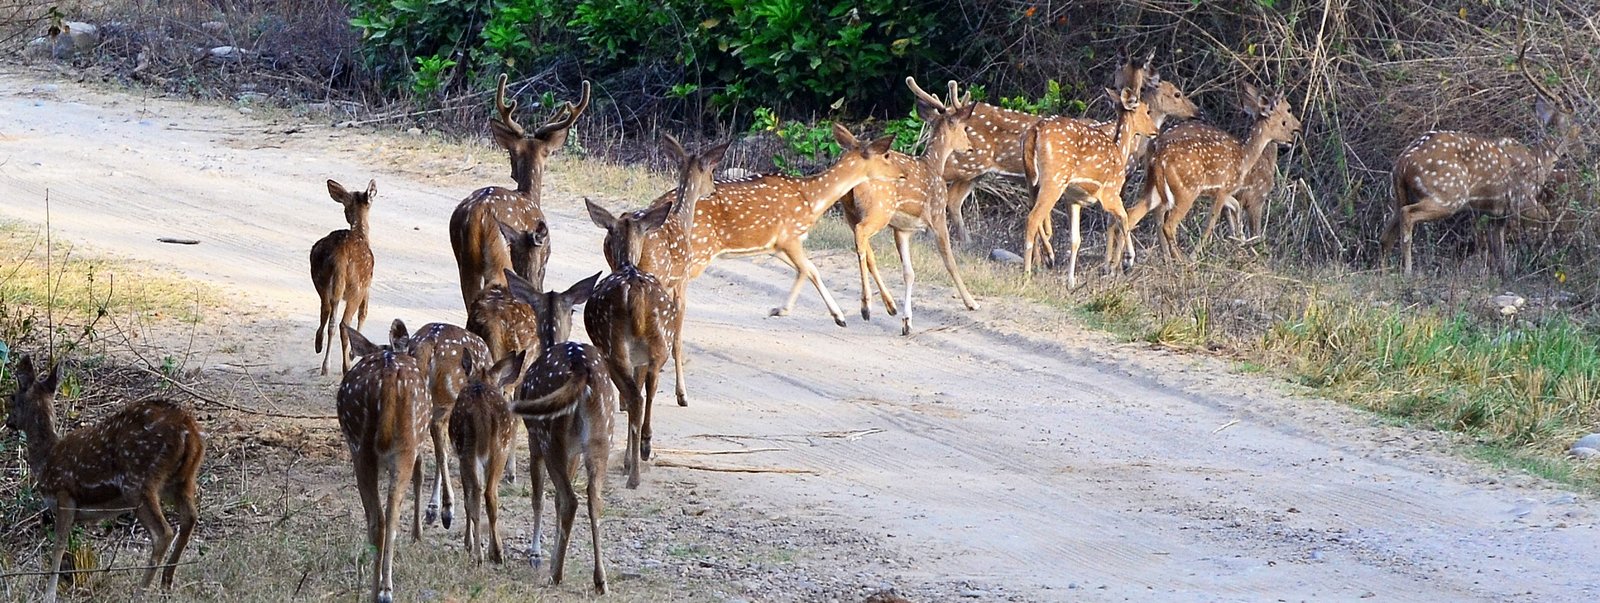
(536, 559)
(905, 328)
(865, 313)
(633, 482)
(683, 399)
(429, 515)
(644, 449)
(446, 518)
(839, 321)
(385, 596)
(779, 312)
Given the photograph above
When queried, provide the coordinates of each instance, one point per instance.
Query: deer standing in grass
(445, 353)
(341, 270)
(474, 235)
(995, 135)
(1062, 152)
(1443, 172)
(911, 203)
(565, 401)
(145, 454)
(384, 412)
(482, 429)
(1195, 160)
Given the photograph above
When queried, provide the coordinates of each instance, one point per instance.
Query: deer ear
(359, 344)
(843, 136)
(504, 135)
(673, 148)
(507, 232)
(881, 146)
(337, 191)
(579, 292)
(507, 370)
(25, 374)
(541, 234)
(1544, 111)
(656, 216)
(521, 289)
(965, 112)
(712, 156)
(599, 215)
(372, 190)
(397, 330)
(1129, 99)
(52, 381)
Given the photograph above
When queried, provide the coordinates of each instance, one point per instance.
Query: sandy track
(1047, 464)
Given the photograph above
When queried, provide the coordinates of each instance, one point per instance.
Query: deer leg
(325, 308)
(471, 282)
(66, 517)
(869, 266)
(596, 465)
(1218, 202)
(536, 496)
(652, 379)
(796, 253)
(1072, 260)
(1170, 221)
(404, 470)
(958, 193)
(149, 513)
(628, 387)
(566, 508)
(491, 499)
(941, 234)
(677, 348)
(1411, 215)
(344, 339)
(1256, 212)
(1044, 201)
(470, 491)
(440, 429)
(1111, 201)
(188, 515)
(361, 314)
(1497, 246)
(902, 244)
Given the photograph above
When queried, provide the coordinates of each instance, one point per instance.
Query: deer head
(1553, 112)
(624, 241)
(399, 341)
(872, 155)
(31, 409)
(525, 247)
(694, 172)
(553, 309)
(947, 118)
(530, 151)
(356, 204)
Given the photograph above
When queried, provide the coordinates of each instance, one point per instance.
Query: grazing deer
(1196, 160)
(769, 214)
(1062, 152)
(445, 353)
(911, 203)
(480, 256)
(481, 432)
(133, 460)
(384, 412)
(565, 402)
(996, 147)
(507, 325)
(341, 270)
(666, 252)
(1443, 172)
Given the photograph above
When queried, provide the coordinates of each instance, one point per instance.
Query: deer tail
(561, 402)
(1030, 150)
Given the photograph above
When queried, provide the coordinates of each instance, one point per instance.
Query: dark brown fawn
(1062, 152)
(565, 401)
(911, 203)
(1445, 172)
(996, 136)
(145, 454)
(444, 352)
(505, 324)
(767, 214)
(341, 270)
(480, 255)
(1195, 160)
(384, 413)
(482, 430)
(667, 250)
(629, 318)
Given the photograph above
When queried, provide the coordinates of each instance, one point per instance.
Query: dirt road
(996, 454)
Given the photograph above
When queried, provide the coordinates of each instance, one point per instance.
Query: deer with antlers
(995, 135)
(446, 354)
(911, 203)
(482, 429)
(384, 412)
(145, 454)
(1443, 172)
(565, 402)
(474, 234)
(1062, 152)
(341, 270)
(1196, 160)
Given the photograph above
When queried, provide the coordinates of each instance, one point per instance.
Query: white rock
(1004, 256)
(225, 53)
(1589, 441)
(215, 27)
(1583, 452)
(75, 38)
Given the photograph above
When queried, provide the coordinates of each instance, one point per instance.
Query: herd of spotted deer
(451, 382)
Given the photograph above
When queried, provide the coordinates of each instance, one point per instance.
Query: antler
(922, 95)
(1543, 91)
(568, 115)
(504, 108)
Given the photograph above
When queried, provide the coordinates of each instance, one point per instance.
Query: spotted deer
(1062, 152)
(996, 134)
(1195, 160)
(666, 252)
(145, 454)
(912, 203)
(769, 214)
(480, 255)
(482, 429)
(445, 353)
(565, 402)
(341, 270)
(384, 412)
(505, 324)
(1443, 172)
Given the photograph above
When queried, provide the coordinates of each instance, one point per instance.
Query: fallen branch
(712, 452)
(233, 407)
(727, 469)
(1225, 426)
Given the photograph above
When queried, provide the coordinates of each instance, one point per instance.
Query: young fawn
(481, 432)
(443, 352)
(384, 412)
(341, 270)
(565, 402)
(147, 453)
(479, 255)
(505, 324)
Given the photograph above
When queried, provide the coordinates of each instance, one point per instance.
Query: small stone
(246, 110)
(1004, 257)
(974, 594)
(1589, 441)
(225, 54)
(414, 131)
(215, 27)
(1583, 452)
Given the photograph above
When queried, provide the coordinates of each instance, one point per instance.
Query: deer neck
(938, 152)
(358, 228)
(529, 180)
(823, 189)
(42, 440)
(1127, 143)
(1256, 149)
(690, 190)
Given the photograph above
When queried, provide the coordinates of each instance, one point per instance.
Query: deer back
(481, 421)
(630, 313)
(994, 133)
(382, 403)
(445, 353)
(506, 325)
